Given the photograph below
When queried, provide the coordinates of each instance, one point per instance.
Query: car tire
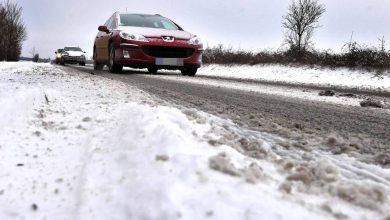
(152, 70)
(189, 71)
(96, 64)
(62, 62)
(82, 64)
(112, 66)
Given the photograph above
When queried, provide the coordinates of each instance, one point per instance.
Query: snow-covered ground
(284, 91)
(247, 78)
(80, 146)
(338, 77)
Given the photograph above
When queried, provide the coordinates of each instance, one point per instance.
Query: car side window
(113, 23)
(108, 24)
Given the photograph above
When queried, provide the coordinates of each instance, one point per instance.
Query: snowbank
(315, 76)
(78, 146)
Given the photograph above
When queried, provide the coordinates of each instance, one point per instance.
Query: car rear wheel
(112, 66)
(152, 70)
(189, 71)
(96, 64)
(82, 64)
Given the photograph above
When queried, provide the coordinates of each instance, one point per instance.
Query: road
(337, 128)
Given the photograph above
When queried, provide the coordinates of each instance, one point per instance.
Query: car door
(102, 39)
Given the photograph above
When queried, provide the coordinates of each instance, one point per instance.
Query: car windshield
(72, 49)
(150, 21)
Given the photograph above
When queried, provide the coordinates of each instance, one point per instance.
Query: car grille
(168, 52)
(73, 58)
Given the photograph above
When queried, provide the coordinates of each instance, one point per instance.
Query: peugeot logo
(168, 39)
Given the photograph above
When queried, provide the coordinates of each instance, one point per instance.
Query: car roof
(140, 14)
(72, 47)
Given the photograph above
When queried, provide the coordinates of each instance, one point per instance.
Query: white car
(72, 55)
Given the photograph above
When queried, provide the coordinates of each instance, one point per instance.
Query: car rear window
(150, 21)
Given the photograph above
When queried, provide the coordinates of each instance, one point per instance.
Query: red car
(146, 41)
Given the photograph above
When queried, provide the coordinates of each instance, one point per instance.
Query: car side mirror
(55, 52)
(103, 29)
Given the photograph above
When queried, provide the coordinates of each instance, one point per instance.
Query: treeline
(12, 31)
(352, 55)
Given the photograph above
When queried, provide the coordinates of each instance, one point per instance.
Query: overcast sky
(248, 24)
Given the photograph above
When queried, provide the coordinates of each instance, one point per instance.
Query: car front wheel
(96, 64)
(189, 71)
(152, 70)
(112, 66)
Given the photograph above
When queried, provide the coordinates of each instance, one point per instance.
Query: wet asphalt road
(364, 129)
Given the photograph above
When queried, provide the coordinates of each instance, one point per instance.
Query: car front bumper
(157, 53)
(74, 59)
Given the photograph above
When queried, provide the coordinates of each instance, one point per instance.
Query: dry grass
(354, 56)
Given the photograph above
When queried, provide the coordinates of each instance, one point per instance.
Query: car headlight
(132, 36)
(65, 54)
(195, 41)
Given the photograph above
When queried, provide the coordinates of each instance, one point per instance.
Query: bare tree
(382, 45)
(32, 51)
(12, 31)
(3, 15)
(300, 22)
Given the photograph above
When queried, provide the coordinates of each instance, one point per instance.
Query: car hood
(75, 53)
(158, 32)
